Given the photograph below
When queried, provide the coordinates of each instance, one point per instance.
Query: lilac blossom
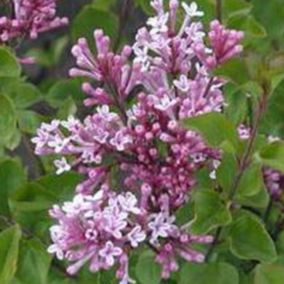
(145, 142)
(31, 17)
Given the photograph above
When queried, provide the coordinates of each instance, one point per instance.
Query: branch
(244, 163)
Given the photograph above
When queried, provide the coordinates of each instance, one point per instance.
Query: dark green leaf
(29, 121)
(12, 176)
(64, 90)
(90, 19)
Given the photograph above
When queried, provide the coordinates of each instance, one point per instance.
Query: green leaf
(9, 248)
(236, 7)
(272, 155)
(217, 273)
(248, 24)
(90, 19)
(21, 93)
(146, 7)
(103, 4)
(14, 141)
(68, 108)
(226, 172)
(269, 274)
(29, 121)
(147, 270)
(272, 122)
(9, 66)
(31, 197)
(250, 183)
(214, 127)
(34, 263)
(7, 119)
(236, 100)
(67, 181)
(271, 16)
(250, 240)
(64, 90)
(210, 212)
(49, 56)
(259, 200)
(235, 70)
(12, 176)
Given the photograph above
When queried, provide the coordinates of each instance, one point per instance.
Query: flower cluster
(136, 132)
(101, 228)
(31, 17)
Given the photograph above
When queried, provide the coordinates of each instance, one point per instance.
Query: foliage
(239, 201)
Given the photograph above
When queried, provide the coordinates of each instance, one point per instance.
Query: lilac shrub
(141, 96)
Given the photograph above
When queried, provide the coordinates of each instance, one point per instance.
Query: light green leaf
(235, 70)
(34, 263)
(9, 66)
(272, 155)
(7, 119)
(21, 93)
(210, 212)
(147, 270)
(226, 172)
(269, 274)
(248, 24)
(250, 240)
(251, 182)
(103, 4)
(9, 249)
(214, 127)
(217, 273)
(236, 7)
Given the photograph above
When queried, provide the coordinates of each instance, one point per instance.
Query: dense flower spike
(136, 132)
(31, 17)
(100, 229)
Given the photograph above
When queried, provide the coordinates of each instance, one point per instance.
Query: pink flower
(62, 166)
(109, 253)
(136, 236)
(133, 149)
(30, 17)
(161, 226)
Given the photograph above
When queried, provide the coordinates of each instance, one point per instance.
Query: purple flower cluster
(100, 229)
(31, 17)
(136, 133)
